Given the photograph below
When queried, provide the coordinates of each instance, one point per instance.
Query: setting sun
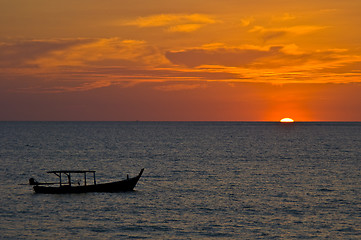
(287, 120)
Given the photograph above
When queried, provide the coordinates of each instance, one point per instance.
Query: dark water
(202, 180)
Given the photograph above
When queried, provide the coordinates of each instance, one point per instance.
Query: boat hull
(120, 186)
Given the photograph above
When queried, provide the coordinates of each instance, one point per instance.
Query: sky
(180, 60)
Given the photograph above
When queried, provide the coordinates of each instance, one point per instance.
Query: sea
(202, 180)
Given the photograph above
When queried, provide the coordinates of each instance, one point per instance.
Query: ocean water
(202, 180)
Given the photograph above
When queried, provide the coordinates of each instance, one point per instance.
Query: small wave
(325, 190)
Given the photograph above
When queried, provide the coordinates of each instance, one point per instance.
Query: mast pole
(60, 179)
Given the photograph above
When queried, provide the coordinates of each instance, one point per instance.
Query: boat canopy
(71, 171)
(68, 172)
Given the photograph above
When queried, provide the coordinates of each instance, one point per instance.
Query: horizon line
(245, 121)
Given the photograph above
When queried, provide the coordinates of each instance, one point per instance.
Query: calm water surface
(202, 180)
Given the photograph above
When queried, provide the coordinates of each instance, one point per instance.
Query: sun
(287, 120)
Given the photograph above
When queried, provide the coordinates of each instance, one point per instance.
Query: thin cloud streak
(173, 22)
(272, 33)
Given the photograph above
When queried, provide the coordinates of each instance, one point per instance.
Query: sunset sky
(170, 60)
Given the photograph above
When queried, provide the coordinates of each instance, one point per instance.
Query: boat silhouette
(66, 186)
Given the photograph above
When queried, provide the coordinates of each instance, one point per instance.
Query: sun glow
(287, 120)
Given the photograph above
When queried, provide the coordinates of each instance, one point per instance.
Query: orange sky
(229, 60)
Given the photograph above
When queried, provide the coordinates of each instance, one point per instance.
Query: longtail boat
(67, 186)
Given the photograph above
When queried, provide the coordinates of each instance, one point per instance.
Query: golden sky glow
(180, 60)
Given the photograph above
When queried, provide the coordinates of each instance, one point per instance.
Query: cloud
(271, 33)
(351, 68)
(77, 64)
(291, 56)
(80, 87)
(284, 17)
(231, 57)
(65, 65)
(247, 21)
(173, 22)
(178, 87)
(85, 64)
(22, 53)
(185, 28)
(285, 63)
(87, 53)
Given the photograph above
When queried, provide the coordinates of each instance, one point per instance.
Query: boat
(67, 186)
